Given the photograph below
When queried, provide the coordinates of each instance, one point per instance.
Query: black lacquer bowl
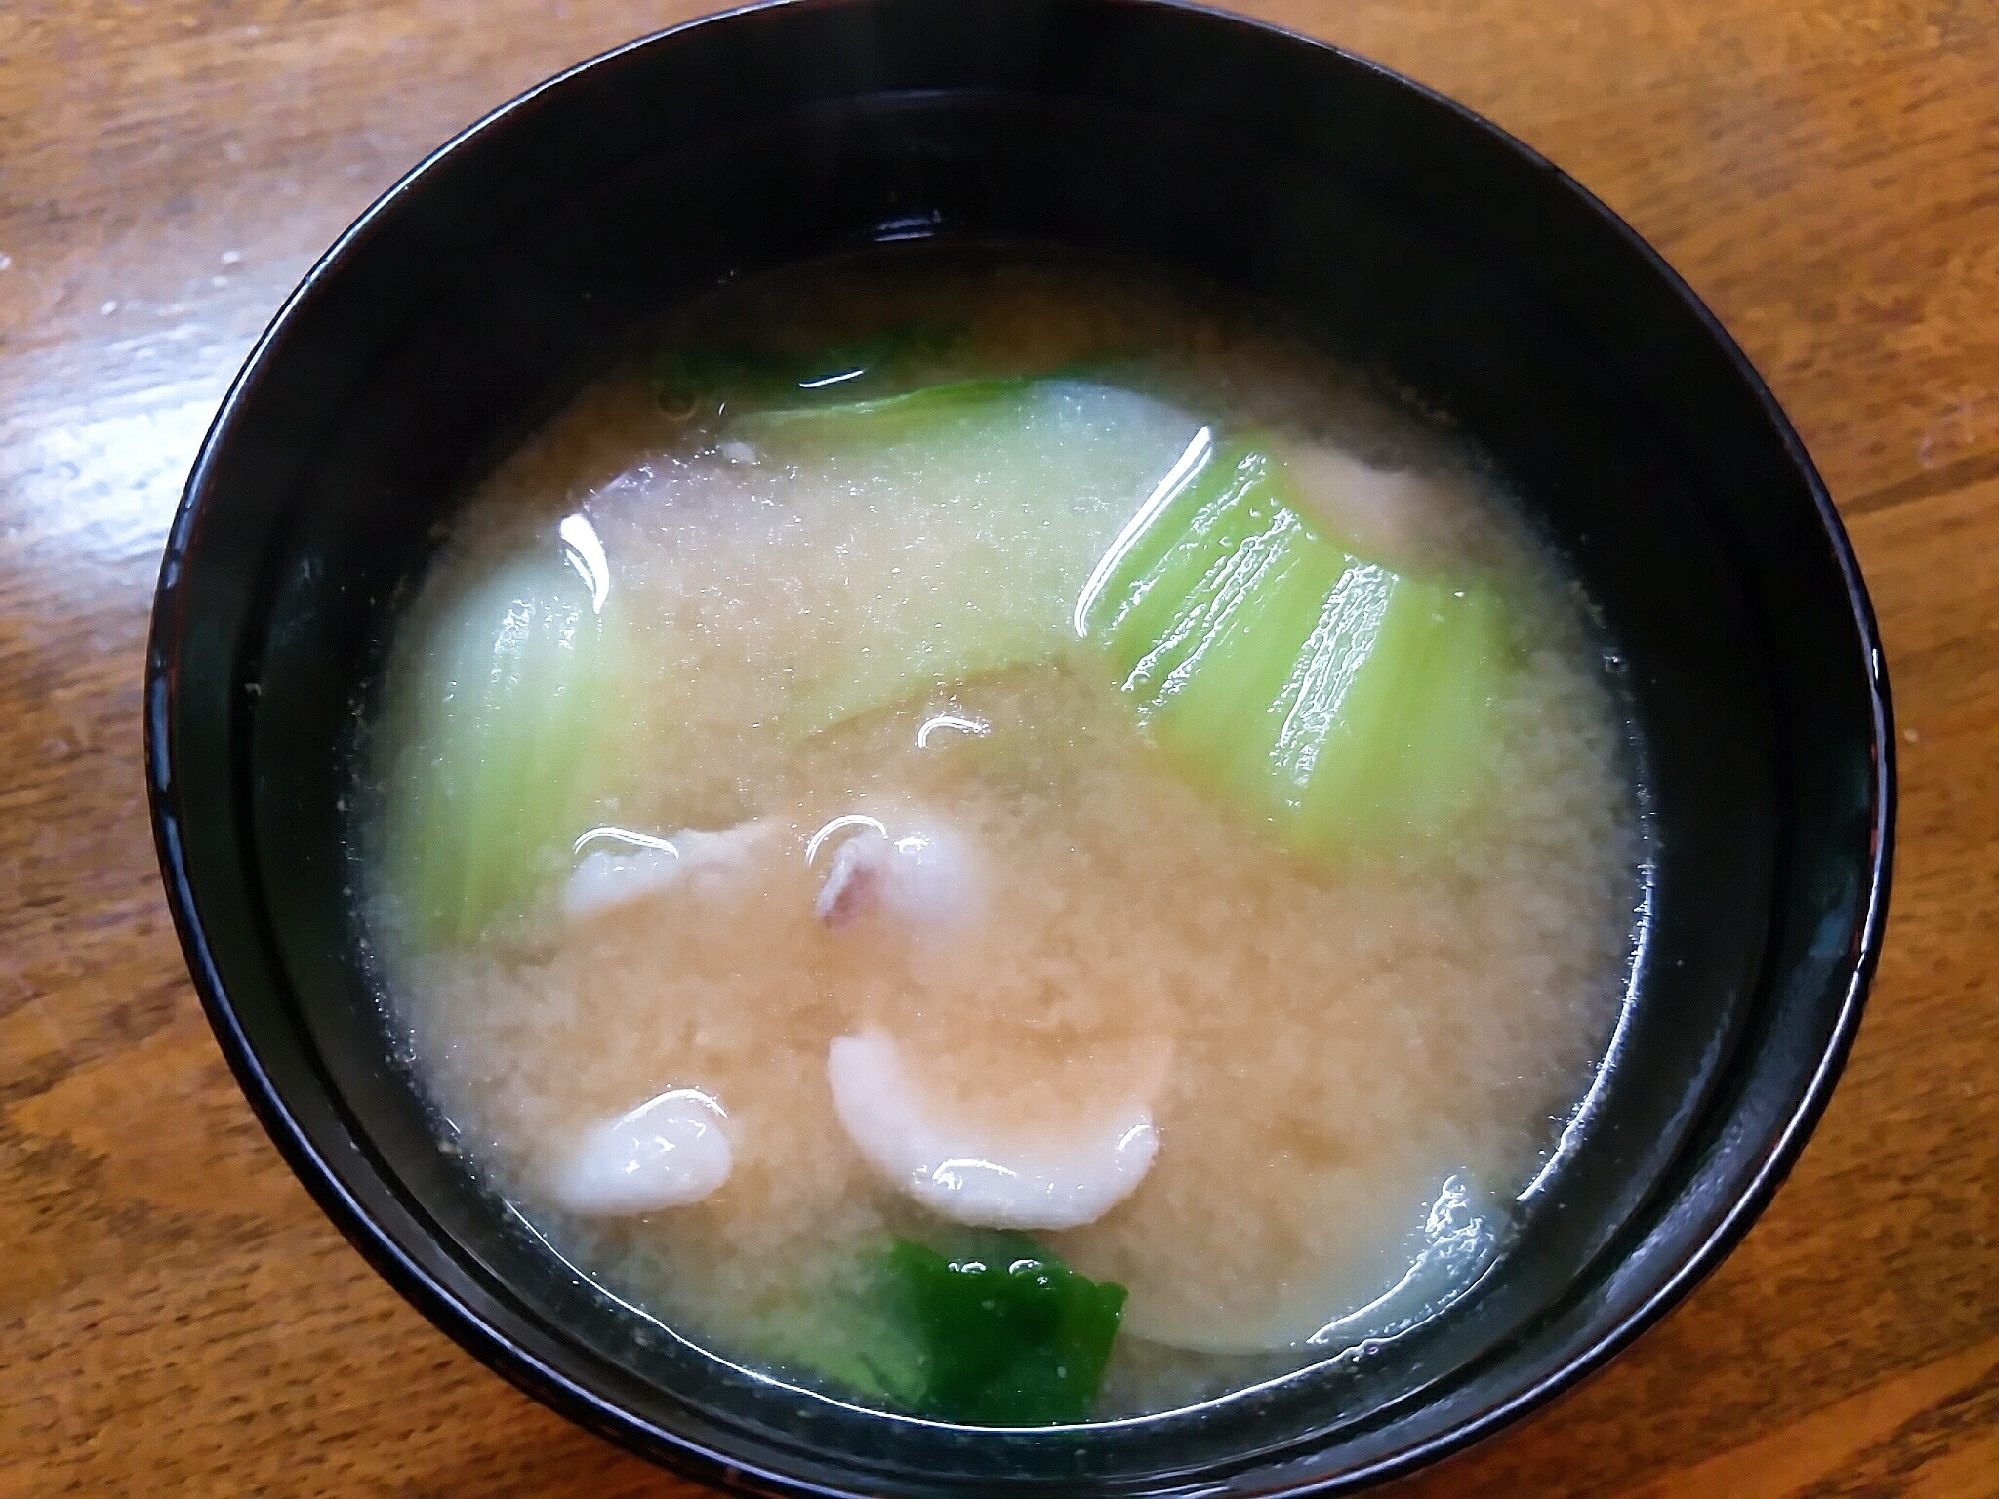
(1381, 221)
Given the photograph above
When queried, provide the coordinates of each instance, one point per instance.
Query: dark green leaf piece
(997, 1332)
(1014, 1337)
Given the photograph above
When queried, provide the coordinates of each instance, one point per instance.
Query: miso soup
(999, 841)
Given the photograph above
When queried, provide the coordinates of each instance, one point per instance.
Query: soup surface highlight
(991, 840)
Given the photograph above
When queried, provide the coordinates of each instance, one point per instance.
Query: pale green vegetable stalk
(509, 717)
(1340, 702)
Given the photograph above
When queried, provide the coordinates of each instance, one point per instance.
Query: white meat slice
(669, 1150)
(970, 1175)
(629, 866)
(923, 878)
(1378, 511)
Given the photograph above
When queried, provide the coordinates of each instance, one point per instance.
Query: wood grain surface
(176, 1317)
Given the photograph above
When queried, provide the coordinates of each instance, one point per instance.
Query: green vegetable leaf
(706, 382)
(882, 419)
(861, 1339)
(1014, 1336)
(1002, 1333)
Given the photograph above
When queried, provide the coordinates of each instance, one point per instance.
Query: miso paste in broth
(994, 841)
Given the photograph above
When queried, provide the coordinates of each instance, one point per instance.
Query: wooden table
(176, 1317)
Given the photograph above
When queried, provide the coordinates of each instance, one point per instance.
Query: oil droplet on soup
(999, 842)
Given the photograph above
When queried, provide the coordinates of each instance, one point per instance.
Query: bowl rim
(550, 1385)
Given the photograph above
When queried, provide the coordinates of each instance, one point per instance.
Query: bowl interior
(1387, 227)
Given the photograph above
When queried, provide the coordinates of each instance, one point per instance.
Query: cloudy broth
(875, 870)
